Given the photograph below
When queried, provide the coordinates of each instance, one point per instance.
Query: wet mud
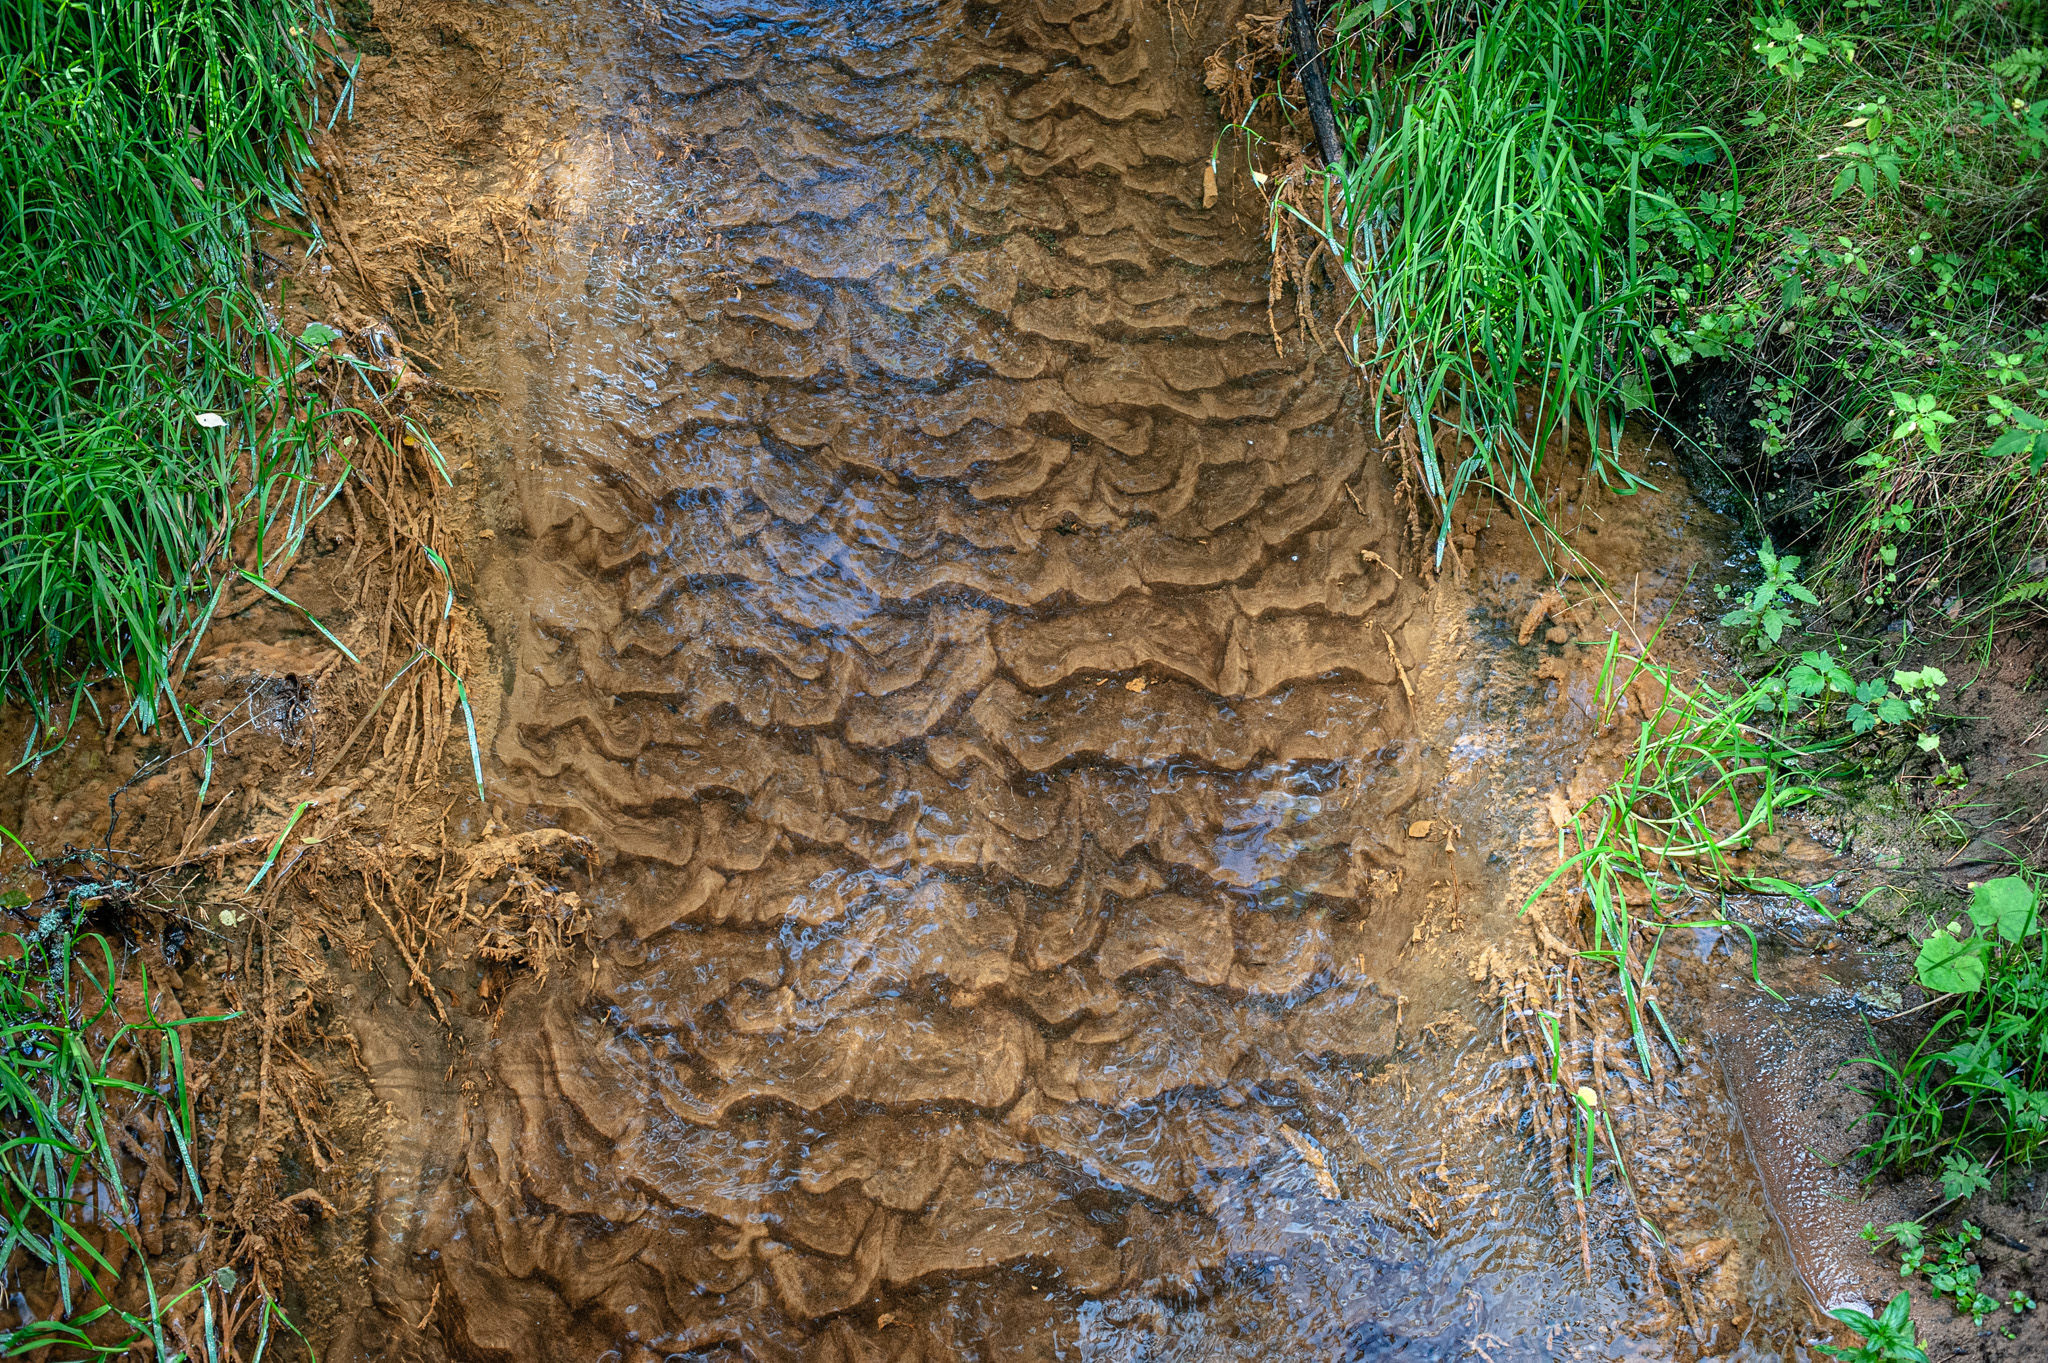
(1000, 844)
(972, 641)
(982, 639)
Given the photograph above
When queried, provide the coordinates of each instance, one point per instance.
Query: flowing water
(1032, 918)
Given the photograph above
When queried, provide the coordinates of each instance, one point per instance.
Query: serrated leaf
(2007, 904)
(1861, 720)
(1948, 966)
(1892, 710)
(1961, 1177)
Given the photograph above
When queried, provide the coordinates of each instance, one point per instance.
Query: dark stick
(1310, 59)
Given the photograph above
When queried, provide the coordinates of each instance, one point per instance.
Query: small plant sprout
(1962, 1176)
(1589, 1113)
(1921, 414)
(1788, 50)
(1766, 612)
(1888, 1337)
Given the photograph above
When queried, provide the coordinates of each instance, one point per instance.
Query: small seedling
(1887, 1337)
(1948, 1261)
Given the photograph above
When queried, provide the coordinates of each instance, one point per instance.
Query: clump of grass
(1508, 169)
(75, 1072)
(1703, 780)
(149, 408)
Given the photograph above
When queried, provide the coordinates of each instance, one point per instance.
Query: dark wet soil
(997, 843)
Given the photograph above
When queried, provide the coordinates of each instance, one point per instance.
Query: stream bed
(1055, 847)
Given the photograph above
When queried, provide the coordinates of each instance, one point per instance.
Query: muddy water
(977, 652)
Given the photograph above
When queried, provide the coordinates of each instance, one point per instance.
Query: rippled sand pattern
(945, 607)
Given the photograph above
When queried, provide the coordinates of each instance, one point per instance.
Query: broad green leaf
(1926, 676)
(1892, 710)
(319, 334)
(2006, 903)
(1948, 966)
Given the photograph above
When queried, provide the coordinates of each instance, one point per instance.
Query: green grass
(139, 141)
(1704, 778)
(76, 1073)
(1972, 1095)
(1553, 214)
(1508, 169)
(1877, 293)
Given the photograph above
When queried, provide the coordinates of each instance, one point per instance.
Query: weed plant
(1974, 1092)
(149, 408)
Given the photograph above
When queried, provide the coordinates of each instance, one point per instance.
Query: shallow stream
(1056, 847)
